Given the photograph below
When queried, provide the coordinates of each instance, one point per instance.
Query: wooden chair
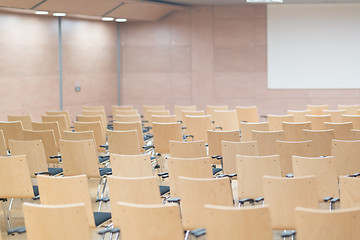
(63, 112)
(288, 149)
(146, 108)
(163, 132)
(163, 119)
(42, 126)
(293, 131)
(126, 112)
(126, 126)
(283, 195)
(178, 109)
(124, 142)
(275, 121)
(93, 118)
(267, 141)
(349, 192)
(317, 121)
(93, 108)
(226, 120)
(211, 108)
(325, 225)
(127, 118)
(214, 142)
(3, 149)
(355, 134)
(321, 141)
(231, 149)
(24, 119)
(198, 126)
(246, 129)
(342, 131)
(336, 115)
(124, 107)
(181, 149)
(45, 222)
(324, 168)
(350, 109)
(157, 113)
(94, 113)
(190, 113)
(196, 192)
(223, 223)
(299, 115)
(12, 130)
(247, 114)
(355, 119)
(97, 128)
(250, 171)
(317, 109)
(61, 119)
(347, 154)
(77, 136)
(158, 221)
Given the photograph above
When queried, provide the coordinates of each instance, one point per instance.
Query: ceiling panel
(19, 3)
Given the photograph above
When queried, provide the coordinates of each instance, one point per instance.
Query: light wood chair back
(246, 129)
(275, 121)
(77, 136)
(34, 152)
(97, 128)
(146, 108)
(299, 115)
(41, 224)
(126, 126)
(157, 113)
(48, 139)
(124, 142)
(126, 112)
(288, 149)
(317, 109)
(336, 115)
(223, 223)
(226, 119)
(66, 190)
(3, 149)
(198, 126)
(355, 119)
(93, 108)
(293, 131)
(79, 157)
(283, 195)
(127, 118)
(211, 108)
(324, 168)
(347, 156)
(24, 119)
(41, 126)
(163, 118)
(321, 141)
(355, 134)
(196, 192)
(63, 112)
(317, 121)
(349, 192)
(215, 138)
(178, 109)
(187, 167)
(163, 132)
(350, 109)
(160, 222)
(267, 141)
(190, 113)
(93, 118)
(342, 131)
(94, 113)
(124, 107)
(12, 130)
(61, 119)
(250, 171)
(181, 149)
(247, 114)
(131, 165)
(231, 149)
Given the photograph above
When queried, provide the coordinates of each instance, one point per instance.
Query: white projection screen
(313, 46)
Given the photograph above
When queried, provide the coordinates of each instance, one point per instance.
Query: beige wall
(29, 67)
(209, 55)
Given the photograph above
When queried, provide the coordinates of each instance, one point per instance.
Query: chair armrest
(288, 234)
(218, 128)
(148, 147)
(198, 232)
(259, 199)
(326, 199)
(18, 230)
(104, 156)
(109, 230)
(43, 173)
(148, 135)
(219, 157)
(187, 136)
(232, 175)
(244, 200)
(56, 156)
(174, 200)
(104, 145)
(163, 175)
(334, 200)
(103, 199)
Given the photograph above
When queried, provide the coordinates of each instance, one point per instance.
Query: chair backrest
(127, 118)
(350, 109)
(355, 119)
(267, 141)
(324, 225)
(163, 132)
(160, 222)
(93, 118)
(323, 168)
(336, 115)
(317, 121)
(61, 119)
(288, 149)
(355, 134)
(63, 112)
(283, 195)
(97, 128)
(275, 121)
(250, 171)
(178, 109)
(247, 128)
(198, 126)
(226, 119)
(34, 152)
(317, 109)
(3, 149)
(163, 118)
(93, 108)
(126, 112)
(321, 141)
(293, 131)
(247, 114)
(131, 165)
(349, 192)
(85, 135)
(124, 107)
(15, 181)
(187, 167)
(347, 156)
(24, 119)
(211, 108)
(146, 108)
(12, 130)
(124, 142)
(126, 126)
(41, 126)
(223, 223)
(194, 149)
(140, 190)
(157, 113)
(231, 149)
(185, 113)
(215, 138)
(41, 224)
(66, 190)
(196, 192)
(94, 112)
(48, 139)
(79, 157)
(342, 131)
(299, 115)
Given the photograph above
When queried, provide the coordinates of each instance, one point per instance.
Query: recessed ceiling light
(121, 20)
(108, 19)
(41, 12)
(59, 14)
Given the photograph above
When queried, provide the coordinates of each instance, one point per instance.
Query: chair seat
(103, 171)
(101, 217)
(55, 171)
(164, 189)
(216, 170)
